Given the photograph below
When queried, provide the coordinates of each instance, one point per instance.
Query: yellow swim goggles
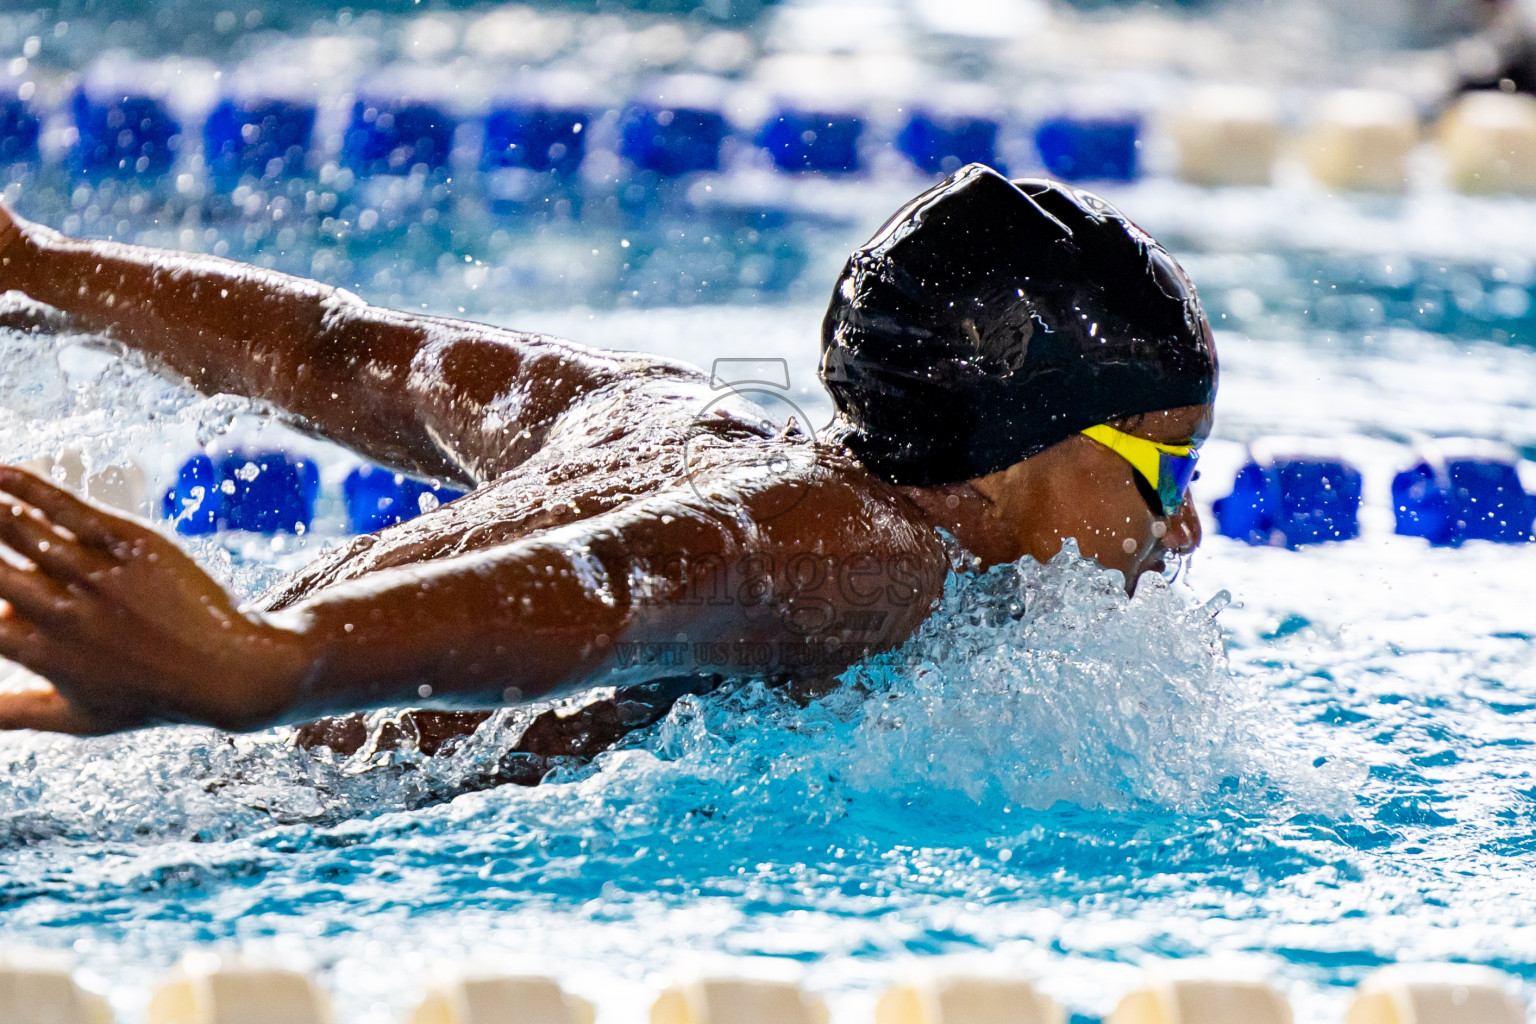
(1163, 471)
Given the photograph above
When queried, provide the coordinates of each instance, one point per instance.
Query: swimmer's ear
(1129, 424)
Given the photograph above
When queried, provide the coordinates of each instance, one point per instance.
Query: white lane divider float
(1435, 994)
(210, 989)
(1227, 135)
(1361, 140)
(1489, 140)
(1202, 1001)
(501, 999)
(967, 1000)
(38, 987)
(737, 1001)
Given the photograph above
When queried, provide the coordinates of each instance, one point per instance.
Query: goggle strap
(1144, 457)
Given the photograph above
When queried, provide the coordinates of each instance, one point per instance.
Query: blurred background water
(1331, 773)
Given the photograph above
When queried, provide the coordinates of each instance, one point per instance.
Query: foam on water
(1042, 685)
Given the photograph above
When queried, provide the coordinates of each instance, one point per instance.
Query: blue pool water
(1331, 772)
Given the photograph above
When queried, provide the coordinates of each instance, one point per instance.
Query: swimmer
(1013, 363)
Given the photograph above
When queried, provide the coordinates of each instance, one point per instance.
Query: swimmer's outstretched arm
(130, 631)
(425, 394)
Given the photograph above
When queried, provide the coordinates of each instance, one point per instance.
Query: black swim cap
(989, 319)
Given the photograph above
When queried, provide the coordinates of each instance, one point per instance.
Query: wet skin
(609, 523)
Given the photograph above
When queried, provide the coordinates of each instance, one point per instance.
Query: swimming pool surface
(1314, 761)
(1333, 773)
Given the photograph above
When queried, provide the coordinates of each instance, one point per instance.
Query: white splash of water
(1032, 685)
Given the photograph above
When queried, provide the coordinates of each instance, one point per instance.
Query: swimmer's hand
(127, 628)
(45, 710)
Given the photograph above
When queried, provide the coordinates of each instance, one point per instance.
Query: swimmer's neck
(969, 516)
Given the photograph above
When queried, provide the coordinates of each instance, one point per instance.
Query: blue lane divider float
(944, 144)
(1079, 149)
(397, 136)
(19, 129)
(377, 497)
(535, 138)
(257, 138)
(1463, 491)
(263, 491)
(672, 141)
(124, 134)
(1291, 501)
(822, 142)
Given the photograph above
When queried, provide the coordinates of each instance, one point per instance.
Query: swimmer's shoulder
(881, 562)
(858, 511)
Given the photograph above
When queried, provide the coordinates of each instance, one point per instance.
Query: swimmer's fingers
(24, 643)
(90, 524)
(45, 711)
(26, 530)
(63, 664)
(129, 627)
(24, 636)
(34, 595)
